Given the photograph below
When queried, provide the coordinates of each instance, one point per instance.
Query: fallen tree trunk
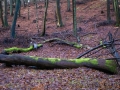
(50, 63)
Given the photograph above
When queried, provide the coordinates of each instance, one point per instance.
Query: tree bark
(11, 7)
(15, 18)
(45, 15)
(68, 5)
(117, 12)
(5, 14)
(50, 63)
(74, 18)
(58, 12)
(19, 9)
(108, 11)
(1, 13)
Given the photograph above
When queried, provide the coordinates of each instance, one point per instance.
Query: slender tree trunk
(1, 13)
(45, 15)
(44, 3)
(20, 9)
(68, 5)
(36, 15)
(11, 7)
(117, 12)
(58, 12)
(23, 3)
(28, 14)
(108, 11)
(15, 18)
(74, 18)
(5, 14)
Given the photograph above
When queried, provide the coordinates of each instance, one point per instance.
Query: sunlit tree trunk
(5, 14)
(44, 22)
(68, 5)
(1, 13)
(58, 12)
(74, 18)
(15, 18)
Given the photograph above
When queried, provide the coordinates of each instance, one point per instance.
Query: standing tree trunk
(1, 13)
(45, 15)
(15, 18)
(28, 14)
(58, 12)
(108, 11)
(117, 12)
(35, 2)
(20, 9)
(68, 5)
(74, 18)
(11, 7)
(23, 3)
(5, 14)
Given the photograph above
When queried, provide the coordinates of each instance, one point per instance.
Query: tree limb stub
(50, 63)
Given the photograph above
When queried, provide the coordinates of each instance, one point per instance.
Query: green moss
(10, 49)
(78, 45)
(94, 61)
(34, 57)
(101, 43)
(53, 60)
(85, 60)
(39, 45)
(81, 60)
(111, 65)
(15, 49)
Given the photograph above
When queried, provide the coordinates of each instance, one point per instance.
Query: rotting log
(50, 63)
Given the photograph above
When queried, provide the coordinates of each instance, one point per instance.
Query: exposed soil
(90, 14)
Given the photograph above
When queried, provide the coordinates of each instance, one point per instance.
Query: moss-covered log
(49, 63)
(19, 50)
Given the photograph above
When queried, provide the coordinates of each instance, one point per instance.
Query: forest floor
(91, 31)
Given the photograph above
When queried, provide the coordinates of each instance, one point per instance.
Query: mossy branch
(32, 47)
(60, 41)
(19, 50)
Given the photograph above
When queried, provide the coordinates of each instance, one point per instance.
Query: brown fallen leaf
(38, 87)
